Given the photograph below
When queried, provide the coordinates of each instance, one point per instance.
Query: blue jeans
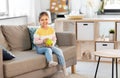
(48, 54)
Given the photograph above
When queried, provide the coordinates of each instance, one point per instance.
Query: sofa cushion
(27, 61)
(32, 30)
(3, 41)
(17, 37)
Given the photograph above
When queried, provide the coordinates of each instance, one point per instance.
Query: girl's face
(44, 21)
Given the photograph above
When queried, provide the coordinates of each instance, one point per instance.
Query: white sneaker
(52, 63)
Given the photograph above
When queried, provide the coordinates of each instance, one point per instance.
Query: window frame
(7, 9)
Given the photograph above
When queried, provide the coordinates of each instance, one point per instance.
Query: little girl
(41, 35)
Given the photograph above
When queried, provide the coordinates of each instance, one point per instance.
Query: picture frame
(58, 6)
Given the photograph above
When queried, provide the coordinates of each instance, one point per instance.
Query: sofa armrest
(1, 64)
(65, 39)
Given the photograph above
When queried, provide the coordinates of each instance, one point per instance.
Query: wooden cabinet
(92, 34)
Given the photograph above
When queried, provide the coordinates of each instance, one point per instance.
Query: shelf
(104, 40)
(86, 40)
(89, 31)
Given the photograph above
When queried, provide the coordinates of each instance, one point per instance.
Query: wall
(31, 8)
(83, 6)
(44, 4)
(19, 7)
(76, 6)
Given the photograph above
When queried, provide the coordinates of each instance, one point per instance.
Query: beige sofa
(27, 63)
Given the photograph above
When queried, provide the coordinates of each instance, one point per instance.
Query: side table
(114, 54)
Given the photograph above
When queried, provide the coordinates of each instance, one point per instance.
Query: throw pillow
(32, 30)
(7, 55)
(18, 37)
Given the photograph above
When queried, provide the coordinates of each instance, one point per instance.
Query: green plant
(101, 8)
(112, 31)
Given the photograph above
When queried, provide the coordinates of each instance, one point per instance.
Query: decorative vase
(111, 37)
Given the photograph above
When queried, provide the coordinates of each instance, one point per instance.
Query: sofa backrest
(3, 41)
(17, 37)
(21, 37)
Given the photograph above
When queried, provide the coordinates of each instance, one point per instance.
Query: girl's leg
(60, 57)
(46, 51)
(48, 55)
(59, 54)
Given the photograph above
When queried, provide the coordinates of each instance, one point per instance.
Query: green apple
(49, 42)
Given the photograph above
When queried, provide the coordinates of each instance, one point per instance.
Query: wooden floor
(87, 70)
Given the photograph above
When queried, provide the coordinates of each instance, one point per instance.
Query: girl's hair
(42, 14)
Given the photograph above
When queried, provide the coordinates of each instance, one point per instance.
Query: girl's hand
(45, 40)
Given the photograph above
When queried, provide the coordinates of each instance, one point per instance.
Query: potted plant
(112, 31)
(111, 34)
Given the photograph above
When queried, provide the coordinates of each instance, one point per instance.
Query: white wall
(18, 7)
(83, 5)
(36, 10)
(31, 8)
(44, 4)
(75, 5)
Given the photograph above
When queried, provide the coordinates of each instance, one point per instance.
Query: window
(3, 7)
(112, 6)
